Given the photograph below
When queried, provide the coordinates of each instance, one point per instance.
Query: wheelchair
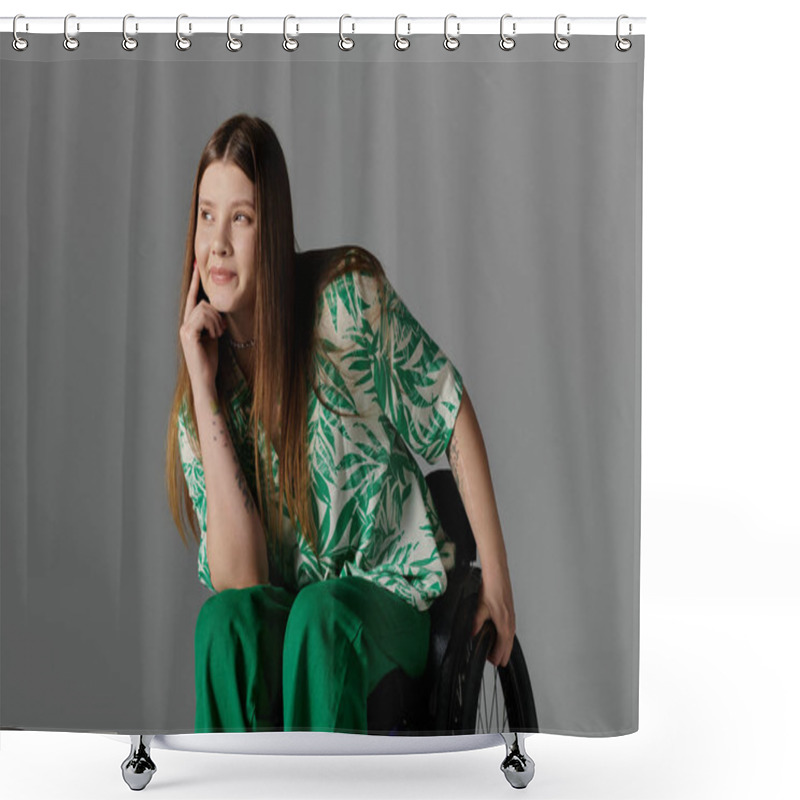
(460, 692)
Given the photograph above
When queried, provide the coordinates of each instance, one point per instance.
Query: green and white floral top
(373, 509)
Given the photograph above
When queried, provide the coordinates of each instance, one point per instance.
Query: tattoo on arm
(453, 458)
(242, 484)
(241, 481)
(223, 428)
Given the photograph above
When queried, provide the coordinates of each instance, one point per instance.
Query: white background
(720, 601)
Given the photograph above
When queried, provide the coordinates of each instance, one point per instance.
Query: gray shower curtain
(501, 191)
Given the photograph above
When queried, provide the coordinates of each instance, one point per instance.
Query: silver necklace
(241, 345)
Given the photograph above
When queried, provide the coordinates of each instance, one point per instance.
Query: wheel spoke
(492, 713)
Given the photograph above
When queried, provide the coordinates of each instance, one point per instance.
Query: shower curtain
(500, 191)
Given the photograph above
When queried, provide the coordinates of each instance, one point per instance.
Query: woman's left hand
(495, 602)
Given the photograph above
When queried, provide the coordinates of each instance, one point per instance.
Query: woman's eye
(204, 212)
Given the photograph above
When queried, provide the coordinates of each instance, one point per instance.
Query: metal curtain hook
(19, 43)
(70, 43)
(451, 42)
(400, 42)
(128, 42)
(507, 42)
(233, 44)
(560, 42)
(182, 43)
(290, 43)
(623, 45)
(344, 42)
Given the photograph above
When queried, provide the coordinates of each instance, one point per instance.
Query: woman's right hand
(200, 351)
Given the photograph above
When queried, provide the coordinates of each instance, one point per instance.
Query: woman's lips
(221, 276)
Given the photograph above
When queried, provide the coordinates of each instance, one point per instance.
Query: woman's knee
(322, 607)
(225, 612)
(312, 600)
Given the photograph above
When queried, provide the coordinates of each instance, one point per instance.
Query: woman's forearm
(235, 546)
(469, 463)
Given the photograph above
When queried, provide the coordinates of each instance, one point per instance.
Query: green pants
(267, 659)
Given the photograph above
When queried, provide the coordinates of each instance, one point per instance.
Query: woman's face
(225, 239)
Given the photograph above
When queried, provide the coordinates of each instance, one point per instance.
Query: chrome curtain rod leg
(518, 766)
(138, 768)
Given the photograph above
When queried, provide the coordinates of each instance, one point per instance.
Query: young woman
(304, 384)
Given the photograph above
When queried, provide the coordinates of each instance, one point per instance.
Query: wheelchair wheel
(489, 699)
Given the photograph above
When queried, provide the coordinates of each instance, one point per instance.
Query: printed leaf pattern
(399, 393)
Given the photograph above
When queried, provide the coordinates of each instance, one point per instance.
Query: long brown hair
(287, 286)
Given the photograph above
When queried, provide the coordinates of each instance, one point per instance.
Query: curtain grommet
(561, 43)
(70, 42)
(451, 42)
(622, 44)
(182, 43)
(290, 43)
(507, 42)
(233, 44)
(128, 42)
(19, 44)
(344, 42)
(400, 42)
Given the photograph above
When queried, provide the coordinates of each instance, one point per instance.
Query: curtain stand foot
(138, 768)
(517, 766)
